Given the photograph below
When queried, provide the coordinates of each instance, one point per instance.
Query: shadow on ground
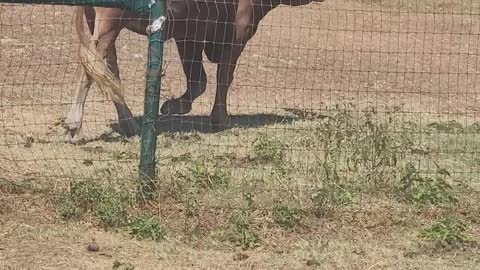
(201, 124)
(194, 123)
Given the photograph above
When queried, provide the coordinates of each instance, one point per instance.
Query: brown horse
(220, 28)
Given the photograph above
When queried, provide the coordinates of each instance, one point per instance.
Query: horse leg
(225, 71)
(104, 32)
(126, 121)
(74, 117)
(191, 56)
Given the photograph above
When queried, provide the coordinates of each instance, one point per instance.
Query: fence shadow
(197, 123)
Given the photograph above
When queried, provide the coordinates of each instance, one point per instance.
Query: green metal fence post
(156, 9)
(152, 98)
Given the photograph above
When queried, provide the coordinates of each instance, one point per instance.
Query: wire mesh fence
(336, 108)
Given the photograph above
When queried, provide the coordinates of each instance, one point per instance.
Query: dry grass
(216, 188)
(363, 241)
(196, 209)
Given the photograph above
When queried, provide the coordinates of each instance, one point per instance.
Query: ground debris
(93, 247)
(240, 256)
(312, 262)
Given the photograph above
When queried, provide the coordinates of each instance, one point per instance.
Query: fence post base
(152, 99)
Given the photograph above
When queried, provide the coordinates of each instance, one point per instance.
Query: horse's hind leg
(225, 73)
(107, 28)
(191, 56)
(74, 117)
(126, 121)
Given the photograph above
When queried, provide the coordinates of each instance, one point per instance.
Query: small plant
(446, 127)
(147, 227)
(11, 187)
(86, 194)
(82, 198)
(269, 150)
(207, 177)
(107, 204)
(285, 216)
(332, 195)
(426, 190)
(191, 205)
(249, 199)
(446, 231)
(243, 234)
(67, 208)
(367, 147)
(112, 209)
(126, 266)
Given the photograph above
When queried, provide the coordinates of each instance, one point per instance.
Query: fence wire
(340, 105)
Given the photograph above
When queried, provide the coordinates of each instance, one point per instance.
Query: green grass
(242, 233)
(108, 204)
(332, 196)
(321, 164)
(285, 216)
(269, 149)
(147, 227)
(446, 231)
(203, 174)
(426, 190)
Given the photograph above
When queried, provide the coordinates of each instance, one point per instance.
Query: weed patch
(446, 127)
(147, 227)
(112, 209)
(107, 204)
(67, 208)
(269, 150)
(205, 175)
(330, 196)
(446, 231)
(362, 152)
(243, 234)
(285, 216)
(426, 190)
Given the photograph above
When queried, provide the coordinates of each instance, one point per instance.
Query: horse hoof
(72, 136)
(176, 106)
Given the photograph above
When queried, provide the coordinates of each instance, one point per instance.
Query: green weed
(67, 208)
(111, 210)
(147, 227)
(204, 175)
(426, 190)
(446, 231)
(362, 146)
(86, 194)
(285, 216)
(446, 127)
(269, 150)
(243, 234)
(107, 204)
(332, 195)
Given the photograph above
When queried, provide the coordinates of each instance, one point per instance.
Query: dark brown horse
(220, 28)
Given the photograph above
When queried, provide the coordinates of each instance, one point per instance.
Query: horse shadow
(201, 124)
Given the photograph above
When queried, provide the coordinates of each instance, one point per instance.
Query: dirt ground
(421, 59)
(33, 239)
(309, 57)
